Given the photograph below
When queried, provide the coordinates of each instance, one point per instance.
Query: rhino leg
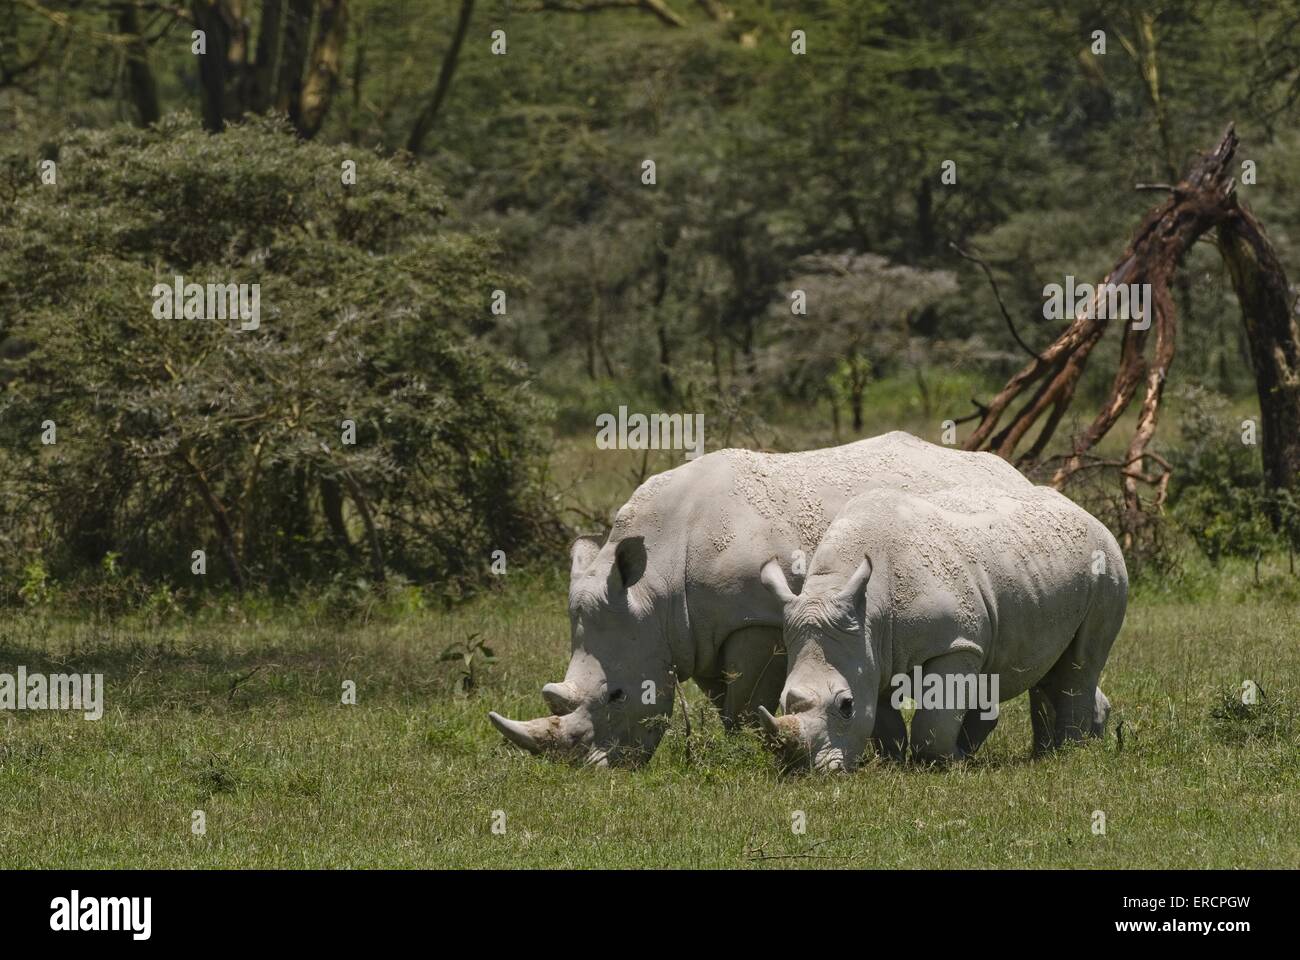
(890, 732)
(1043, 717)
(1074, 707)
(975, 729)
(1100, 714)
(936, 733)
(1071, 688)
(753, 664)
(715, 689)
(1079, 705)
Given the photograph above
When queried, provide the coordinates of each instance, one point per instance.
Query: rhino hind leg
(1100, 714)
(1070, 686)
(975, 729)
(1080, 708)
(890, 732)
(1043, 717)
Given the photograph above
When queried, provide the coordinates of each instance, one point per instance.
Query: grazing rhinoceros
(675, 591)
(1018, 586)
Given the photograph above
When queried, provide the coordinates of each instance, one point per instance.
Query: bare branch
(998, 296)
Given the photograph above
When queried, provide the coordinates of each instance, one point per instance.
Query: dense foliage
(796, 147)
(176, 435)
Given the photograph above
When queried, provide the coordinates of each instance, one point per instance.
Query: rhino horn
(769, 722)
(783, 733)
(533, 735)
(784, 730)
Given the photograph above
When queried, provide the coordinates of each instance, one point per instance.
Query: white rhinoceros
(1018, 586)
(675, 592)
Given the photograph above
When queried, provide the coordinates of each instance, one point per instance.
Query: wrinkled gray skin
(958, 582)
(675, 593)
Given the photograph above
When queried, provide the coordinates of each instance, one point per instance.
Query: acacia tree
(179, 433)
(1204, 200)
(853, 324)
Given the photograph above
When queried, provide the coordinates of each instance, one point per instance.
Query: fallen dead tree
(1204, 200)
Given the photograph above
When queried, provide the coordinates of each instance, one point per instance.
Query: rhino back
(746, 506)
(1009, 569)
(711, 524)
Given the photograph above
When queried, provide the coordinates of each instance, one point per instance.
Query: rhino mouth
(831, 760)
(626, 757)
(786, 736)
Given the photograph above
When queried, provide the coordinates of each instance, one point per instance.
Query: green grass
(412, 774)
(236, 712)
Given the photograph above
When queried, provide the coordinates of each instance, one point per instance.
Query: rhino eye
(618, 696)
(846, 708)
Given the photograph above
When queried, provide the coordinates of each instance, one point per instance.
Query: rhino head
(828, 703)
(617, 695)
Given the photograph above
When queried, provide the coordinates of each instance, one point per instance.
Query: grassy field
(238, 714)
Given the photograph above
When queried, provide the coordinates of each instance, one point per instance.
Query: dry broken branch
(1203, 200)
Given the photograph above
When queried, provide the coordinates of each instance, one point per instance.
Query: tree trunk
(331, 498)
(424, 122)
(925, 217)
(144, 92)
(358, 81)
(323, 69)
(1268, 314)
(288, 82)
(268, 49)
(221, 519)
(210, 17)
(372, 532)
(663, 245)
(237, 65)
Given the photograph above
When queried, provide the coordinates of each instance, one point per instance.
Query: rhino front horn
(785, 730)
(533, 735)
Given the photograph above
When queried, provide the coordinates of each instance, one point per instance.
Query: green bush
(186, 434)
(1219, 498)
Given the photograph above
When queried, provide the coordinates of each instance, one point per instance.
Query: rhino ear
(582, 553)
(856, 585)
(773, 578)
(629, 562)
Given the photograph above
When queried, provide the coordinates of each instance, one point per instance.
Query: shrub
(174, 435)
(1238, 717)
(1219, 498)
